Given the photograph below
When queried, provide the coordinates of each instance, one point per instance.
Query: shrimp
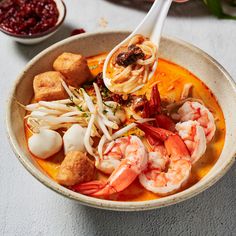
(133, 163)
(169, 167)
(158, 158)
(194, 137)
(196, 111)
(113, 154)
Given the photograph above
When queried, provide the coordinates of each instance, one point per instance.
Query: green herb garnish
(104, 92)
(93, 67)
(107, 105)
(216, 8)
(79, 107)
(85, 115)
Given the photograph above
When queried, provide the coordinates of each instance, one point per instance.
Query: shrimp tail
(155, 101)
(165, 122)
(158, 133)
(173, 143)
(151, 140)
(88, 188)
(177, 148)
(120, 179)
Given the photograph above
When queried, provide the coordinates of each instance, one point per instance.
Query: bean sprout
(63, 113)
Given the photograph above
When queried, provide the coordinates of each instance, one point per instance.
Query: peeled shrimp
(158, 158)
(196, 111)
(133, 163)
(194, 137)
(169, 166)
(113, 152)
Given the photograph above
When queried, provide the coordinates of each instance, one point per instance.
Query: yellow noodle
(125, 78)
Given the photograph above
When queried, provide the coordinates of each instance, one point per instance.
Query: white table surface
(29, 208)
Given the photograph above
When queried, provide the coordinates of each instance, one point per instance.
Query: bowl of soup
(162, 144)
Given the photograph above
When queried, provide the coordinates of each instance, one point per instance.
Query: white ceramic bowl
(174, 50)
(37, 38)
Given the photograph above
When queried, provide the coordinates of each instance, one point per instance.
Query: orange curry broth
(170, 79)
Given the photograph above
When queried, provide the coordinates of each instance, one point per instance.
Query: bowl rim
(42, 34)
(108, 204)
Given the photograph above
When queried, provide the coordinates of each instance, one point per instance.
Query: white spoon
(151, 27)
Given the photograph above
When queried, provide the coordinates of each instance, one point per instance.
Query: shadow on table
(210, 213)
(29, 51)
(193, 8)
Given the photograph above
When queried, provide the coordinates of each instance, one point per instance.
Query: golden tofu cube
(47, 86)
(76, 168)
(74, 67)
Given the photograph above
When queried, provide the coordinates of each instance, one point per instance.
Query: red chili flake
(77, 31)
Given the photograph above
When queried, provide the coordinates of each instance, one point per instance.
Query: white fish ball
(74, 139)
(45, 143)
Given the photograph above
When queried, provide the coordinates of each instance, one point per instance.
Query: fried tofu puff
(76, 168)
(74, 67)
(47, 86)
